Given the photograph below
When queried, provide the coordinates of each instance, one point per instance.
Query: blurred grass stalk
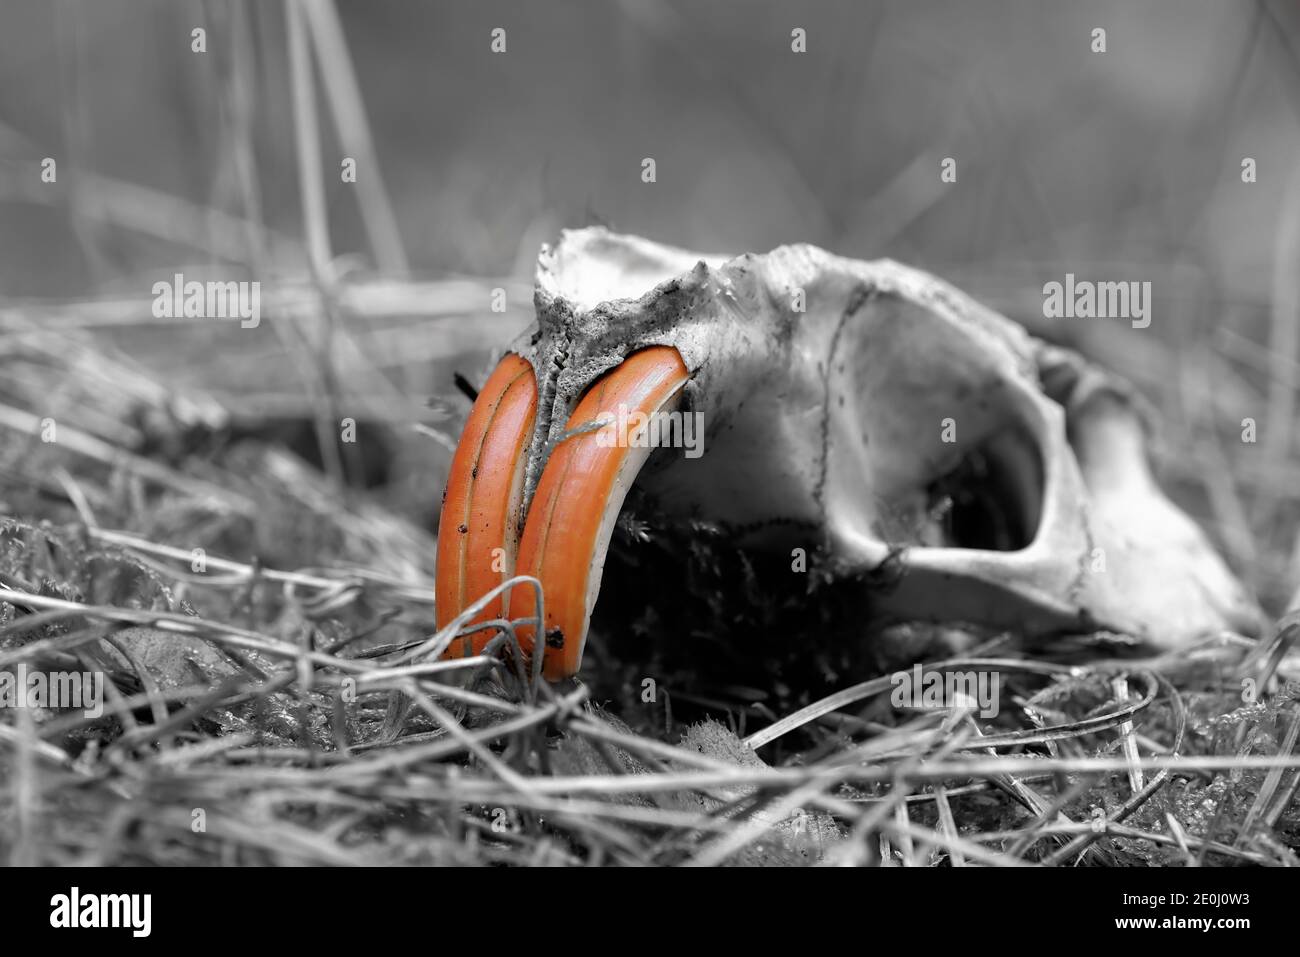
(327, 43)
(1284, 337)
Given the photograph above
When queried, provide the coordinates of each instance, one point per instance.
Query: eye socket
(993, 499)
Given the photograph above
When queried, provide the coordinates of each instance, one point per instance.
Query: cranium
(843, 403)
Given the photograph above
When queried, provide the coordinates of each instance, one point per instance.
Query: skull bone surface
(978, 475)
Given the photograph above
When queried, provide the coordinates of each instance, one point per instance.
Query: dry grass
(293, 708)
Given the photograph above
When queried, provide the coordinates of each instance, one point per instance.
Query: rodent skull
(982, 476)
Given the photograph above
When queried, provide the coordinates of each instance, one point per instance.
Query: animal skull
(843, 403)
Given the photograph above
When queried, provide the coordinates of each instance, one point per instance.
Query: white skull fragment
(981, 476)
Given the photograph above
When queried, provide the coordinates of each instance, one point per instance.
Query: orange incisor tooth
(578, 497)
(478, 532)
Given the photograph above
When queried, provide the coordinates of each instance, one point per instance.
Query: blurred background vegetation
(1117, 165)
